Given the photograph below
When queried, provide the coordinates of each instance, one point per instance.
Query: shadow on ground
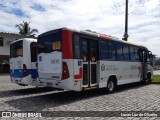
(51, 100)
(27, 91)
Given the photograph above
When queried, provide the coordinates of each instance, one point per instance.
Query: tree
(24, 29)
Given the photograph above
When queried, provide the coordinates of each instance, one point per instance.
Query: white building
(5, 40)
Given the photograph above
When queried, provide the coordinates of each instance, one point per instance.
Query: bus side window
(76, 47)
(132, 53)
(112, 50)
(103, 50)
(94, 51)
(125, 52)
(150, 58)
(84, 50)
(140, 55)
(33, 52)
(119, 51)
(137, 56)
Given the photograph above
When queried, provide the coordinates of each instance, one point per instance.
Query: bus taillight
(25, 71)
(65, 71)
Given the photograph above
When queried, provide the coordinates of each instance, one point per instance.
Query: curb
(155, 82)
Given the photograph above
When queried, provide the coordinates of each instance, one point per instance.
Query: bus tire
(111, 85)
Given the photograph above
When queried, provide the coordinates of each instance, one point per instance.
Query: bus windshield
(16, 49)
(50, 42)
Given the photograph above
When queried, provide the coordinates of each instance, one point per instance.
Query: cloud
(104, 16)
(38, 7)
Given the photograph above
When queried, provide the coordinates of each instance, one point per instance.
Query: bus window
(41, 48)
(137, 57)
(76, 47)
(119, 51)
(16, 49)
(33, 52)
(112, 53)
(150, 58)
(84, 50)
(51, 41)
(49, 47)
(103, 50)
(125, 52)
(132, 53)
(140, 53)
(145, 56)
(94, 51)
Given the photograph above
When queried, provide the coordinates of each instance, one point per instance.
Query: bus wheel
(110, 86)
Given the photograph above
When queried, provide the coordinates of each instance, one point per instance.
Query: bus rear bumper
(22, 81)
(51, 83)
(67, 84)
(17, 80)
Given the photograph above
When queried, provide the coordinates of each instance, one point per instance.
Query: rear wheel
(148, 80)
(111, 86)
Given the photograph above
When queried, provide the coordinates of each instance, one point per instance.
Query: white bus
(23, 62)
(83, 60)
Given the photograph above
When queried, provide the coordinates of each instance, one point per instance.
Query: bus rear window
(16, 49)
(50, 42)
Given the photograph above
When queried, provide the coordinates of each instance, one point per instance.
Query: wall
(5, 49)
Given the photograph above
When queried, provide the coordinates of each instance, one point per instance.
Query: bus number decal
(55, 61)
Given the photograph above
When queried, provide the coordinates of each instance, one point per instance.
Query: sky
(103, 16)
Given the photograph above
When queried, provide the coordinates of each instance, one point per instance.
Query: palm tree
(24, 29)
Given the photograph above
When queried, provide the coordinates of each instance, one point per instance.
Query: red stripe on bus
(78, 76)
(67, 44)
(105, 37)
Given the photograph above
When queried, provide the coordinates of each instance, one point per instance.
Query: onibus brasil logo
(21, 114)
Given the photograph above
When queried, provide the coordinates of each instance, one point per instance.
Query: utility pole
(125, 36)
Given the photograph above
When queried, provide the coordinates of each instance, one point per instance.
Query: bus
(23, 62)
(82, 60)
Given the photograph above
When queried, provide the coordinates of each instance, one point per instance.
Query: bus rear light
(65, 71)
(25, 71)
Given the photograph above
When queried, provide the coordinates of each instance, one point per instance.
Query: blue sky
(104, 16)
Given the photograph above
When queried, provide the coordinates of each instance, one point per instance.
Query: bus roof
(95, 34)
(26, 39)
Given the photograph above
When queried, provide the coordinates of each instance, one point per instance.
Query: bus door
(150, 58)
(143, 60)
(34, 73)
(89, 52)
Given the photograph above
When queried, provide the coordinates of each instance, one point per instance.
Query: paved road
(134, 97)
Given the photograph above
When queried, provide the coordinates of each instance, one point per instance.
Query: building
(5, 41)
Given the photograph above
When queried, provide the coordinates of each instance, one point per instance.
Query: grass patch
(156, 78)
